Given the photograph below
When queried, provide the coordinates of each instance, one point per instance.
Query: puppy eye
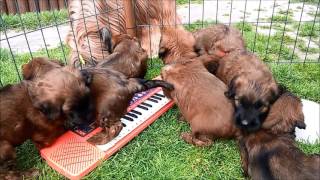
(263, 109)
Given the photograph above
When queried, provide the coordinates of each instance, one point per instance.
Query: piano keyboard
(71, 154)
(136, 116)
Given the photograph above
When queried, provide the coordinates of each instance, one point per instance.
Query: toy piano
(71, 154)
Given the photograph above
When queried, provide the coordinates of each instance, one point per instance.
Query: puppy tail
(106, 36)
(138, 85)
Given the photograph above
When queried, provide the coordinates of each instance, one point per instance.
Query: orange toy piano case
(71, 154)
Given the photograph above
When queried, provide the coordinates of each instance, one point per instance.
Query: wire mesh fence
(278, 31)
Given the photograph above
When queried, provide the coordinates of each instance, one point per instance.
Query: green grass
(281, 18)
(30, 20)
(158, 152)
(180, 2)
(310, 29)
(314, 2)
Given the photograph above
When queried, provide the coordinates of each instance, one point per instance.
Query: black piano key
(127, 118)
(132, 115)
(152, 100)
(136, 112)
(146, 104)
(142, 107)
(124, 125)
(160, 95)
(155, 97)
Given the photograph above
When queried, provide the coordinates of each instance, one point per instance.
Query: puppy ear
(231, 93)
(106, 36)
(87, 77)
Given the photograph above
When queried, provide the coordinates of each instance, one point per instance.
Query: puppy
(250, 84)
(63, 91)
(20, 121)
(128, 57)
(176, 44)
(200, 98)
(271, 153)
(112, 99)
(218, 40)
(39, 66)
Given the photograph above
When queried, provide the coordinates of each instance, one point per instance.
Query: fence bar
(61, 44)
(255, 35)
(283, 33)
(297, 34)
(314, 22)
(129, 16)
(12, 55)
(230, 16)
(217, 11)
(244, 16)
(41, 30)
(267, 48)
(23, 28)
(85, 28)
(95, 12)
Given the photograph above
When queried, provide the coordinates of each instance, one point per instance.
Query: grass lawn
(158, 152)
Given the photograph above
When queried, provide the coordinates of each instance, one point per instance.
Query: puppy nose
(245, 122)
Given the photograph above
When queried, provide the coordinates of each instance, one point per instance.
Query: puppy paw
(187, 137)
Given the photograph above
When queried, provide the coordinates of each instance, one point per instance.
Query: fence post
(32, 5)
(3, 6)
(129, 16)
(62, 4)
(44, 5)
(11, 5)
(54, 5)
(23, 6)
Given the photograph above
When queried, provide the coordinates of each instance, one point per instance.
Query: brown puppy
(218, 40)
(112, 99)
(39, 66)
(200, 98)
(271, 153)
(250, 84)
(128, 57)
(63, 91)
(20, 121)
(176, 44)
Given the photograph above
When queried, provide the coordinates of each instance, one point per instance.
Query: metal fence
(279, 31)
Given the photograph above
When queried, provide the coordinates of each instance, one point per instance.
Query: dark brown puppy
(20, 121)
(200, 98)
(127, 57)
(271, 153)
(63, 91)
(176, 44)
(218, 40)
(39, 66)
(250, 84)
(111, 92)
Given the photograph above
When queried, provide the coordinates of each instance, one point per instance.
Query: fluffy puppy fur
(111, 99)
(20, 121)
(218, 40)
(84, 37)
(128, 57)
(200, 98)
(176, 44)
(250, 84)
(271, 152)
(39, 66)
(63, 91)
